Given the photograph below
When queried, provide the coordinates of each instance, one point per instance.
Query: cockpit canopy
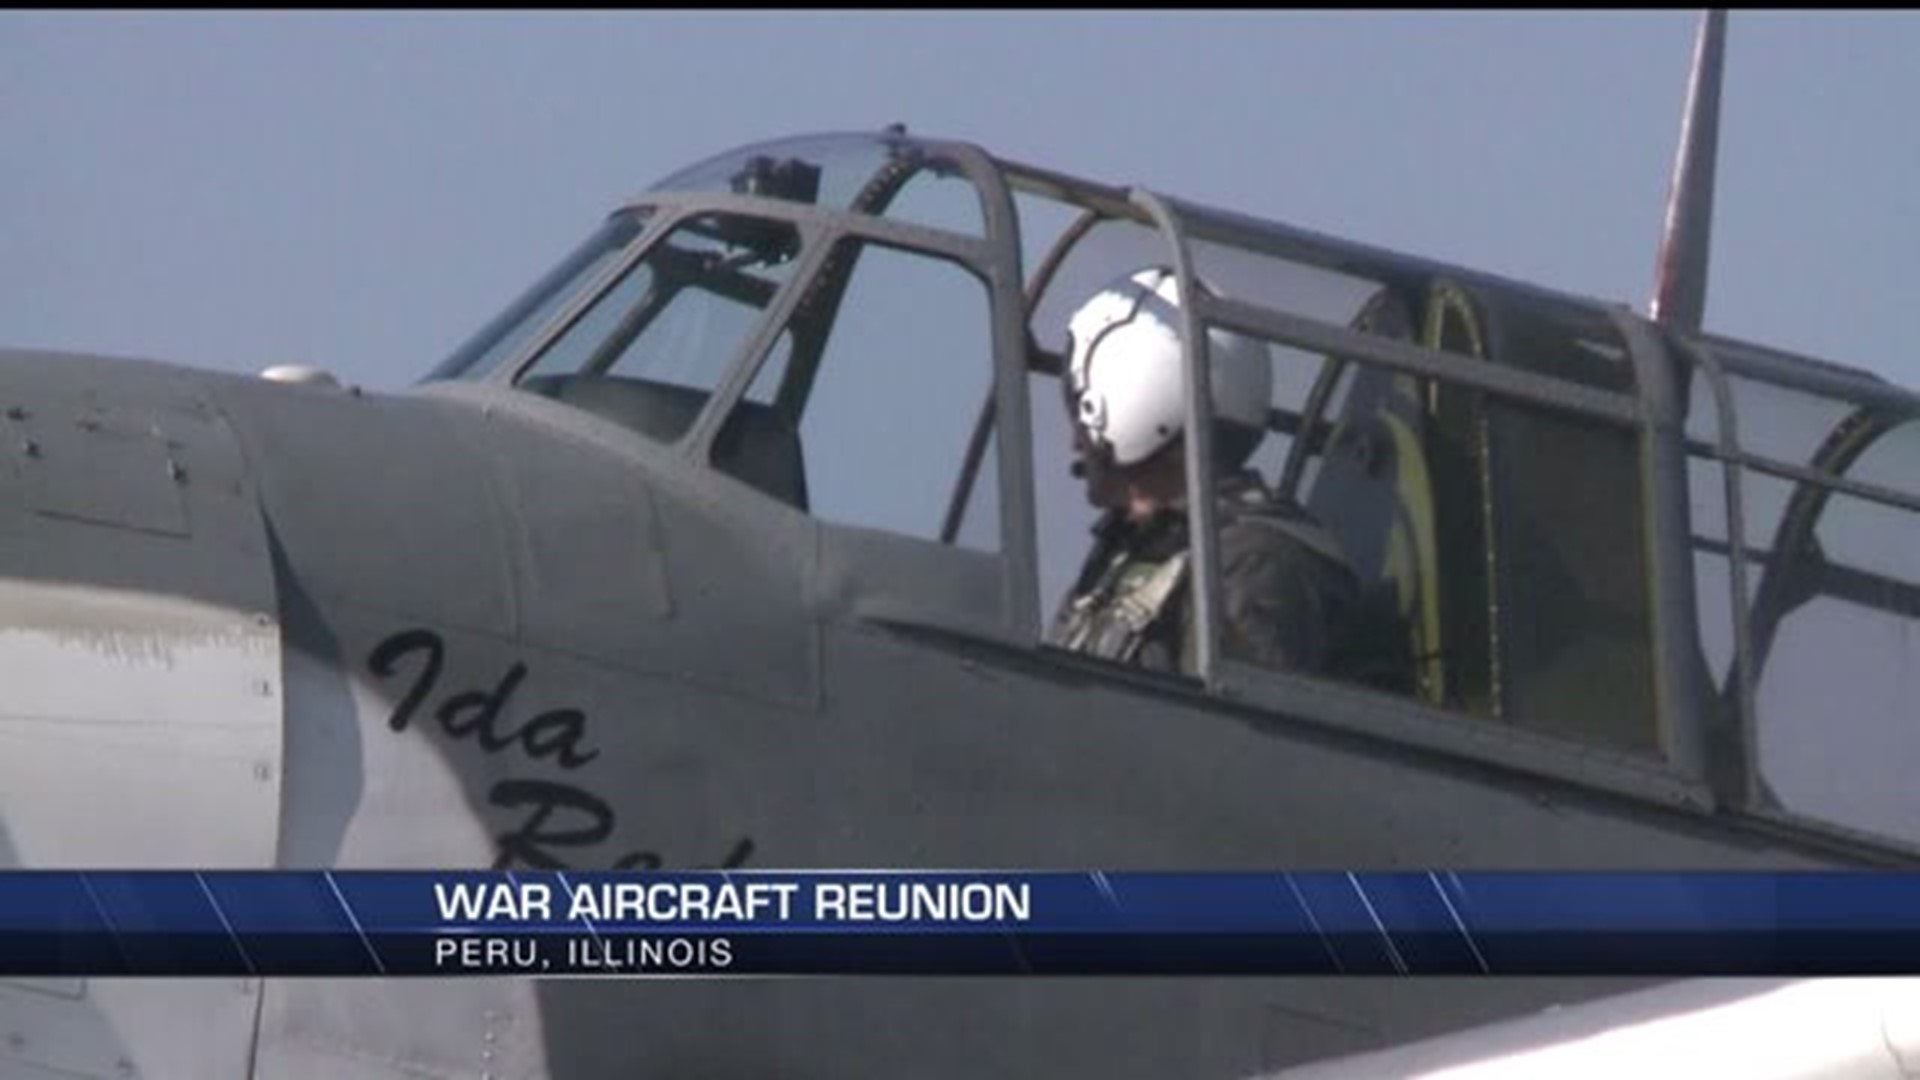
(1570, 526)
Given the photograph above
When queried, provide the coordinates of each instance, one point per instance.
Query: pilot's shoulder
(1271, 529)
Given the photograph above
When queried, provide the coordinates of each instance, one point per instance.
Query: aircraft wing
(1756, 1029)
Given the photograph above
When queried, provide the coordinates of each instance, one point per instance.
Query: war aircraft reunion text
(675, 926)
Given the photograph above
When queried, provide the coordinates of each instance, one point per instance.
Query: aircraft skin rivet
(261, 771)
(16, 1041)
(178, 474)
(15, 412)
(87, 423)
(30, 448)
(124, 1067)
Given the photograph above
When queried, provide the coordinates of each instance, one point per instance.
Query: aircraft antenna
(1680, 273)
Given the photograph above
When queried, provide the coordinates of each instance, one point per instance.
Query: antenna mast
(1680, 273)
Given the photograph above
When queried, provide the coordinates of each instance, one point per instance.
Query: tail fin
(1680, 275)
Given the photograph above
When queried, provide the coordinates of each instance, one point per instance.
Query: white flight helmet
(1124, 383)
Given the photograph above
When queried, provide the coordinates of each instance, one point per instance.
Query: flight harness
(1113, 616)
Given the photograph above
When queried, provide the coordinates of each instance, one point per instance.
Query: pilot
(1287, 590)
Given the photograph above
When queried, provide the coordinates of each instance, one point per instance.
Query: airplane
(734, 541)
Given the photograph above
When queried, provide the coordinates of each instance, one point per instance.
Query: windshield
(510, 331)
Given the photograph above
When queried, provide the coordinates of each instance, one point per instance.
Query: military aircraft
(733, 543)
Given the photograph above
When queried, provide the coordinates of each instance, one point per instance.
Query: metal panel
(376, 497)
(89, 461)
(882, 577)
(143, 664)
(172, 706)
(589, 555)
(128, 1029)
(141, 724)
(731, 561)
(393, 1029)
(1765, 1029)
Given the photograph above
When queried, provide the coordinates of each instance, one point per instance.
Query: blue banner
(956, 923)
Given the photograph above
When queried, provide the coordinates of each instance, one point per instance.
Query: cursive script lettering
(476, 714)
(567, 816)
(554, 814)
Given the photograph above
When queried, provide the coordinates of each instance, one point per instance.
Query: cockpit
(1587, 547)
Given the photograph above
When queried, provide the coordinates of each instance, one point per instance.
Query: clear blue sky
(362, 190)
